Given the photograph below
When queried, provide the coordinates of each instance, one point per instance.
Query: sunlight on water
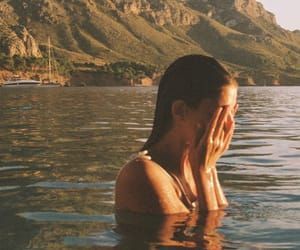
(61, 149)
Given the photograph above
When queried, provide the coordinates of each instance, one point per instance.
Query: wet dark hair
(190, 78)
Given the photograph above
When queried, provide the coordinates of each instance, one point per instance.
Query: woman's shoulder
(141, 166)
(144, 186)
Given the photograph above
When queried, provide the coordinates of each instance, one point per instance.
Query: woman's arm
(206, 191)
(229, 126)
(210, 192)
(204, 156)
(222, 201)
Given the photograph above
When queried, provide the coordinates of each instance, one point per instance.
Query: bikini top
(186, 200)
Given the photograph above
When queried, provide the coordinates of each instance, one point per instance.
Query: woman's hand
(205, 151)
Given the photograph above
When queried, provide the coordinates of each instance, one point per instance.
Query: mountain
(240, 33)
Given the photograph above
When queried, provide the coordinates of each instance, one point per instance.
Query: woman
(193, 127)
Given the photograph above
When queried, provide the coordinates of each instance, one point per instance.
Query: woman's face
(200, 117)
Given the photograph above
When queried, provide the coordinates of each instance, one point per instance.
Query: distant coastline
(82, 78)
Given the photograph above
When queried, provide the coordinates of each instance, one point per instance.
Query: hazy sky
(287, 12)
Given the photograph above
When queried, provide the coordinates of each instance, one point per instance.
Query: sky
(287, 12)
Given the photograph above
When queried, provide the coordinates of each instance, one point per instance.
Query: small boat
(17, 81)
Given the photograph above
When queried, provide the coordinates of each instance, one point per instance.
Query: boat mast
(49, 60)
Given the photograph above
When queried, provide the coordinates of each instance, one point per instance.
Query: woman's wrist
(208, 169)
(222, 201)
(205, 188)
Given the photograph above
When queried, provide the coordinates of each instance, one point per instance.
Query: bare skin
(190, 150)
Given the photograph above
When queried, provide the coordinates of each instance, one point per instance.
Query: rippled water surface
(61, 148)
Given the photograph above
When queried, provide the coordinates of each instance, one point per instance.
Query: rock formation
(16, 40)
(160, 12)
(254, 9)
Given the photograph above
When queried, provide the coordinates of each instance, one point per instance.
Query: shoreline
(87, 78)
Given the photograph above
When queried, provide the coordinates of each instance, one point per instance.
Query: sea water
(61, 149)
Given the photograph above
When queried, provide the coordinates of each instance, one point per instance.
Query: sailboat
(52, 70)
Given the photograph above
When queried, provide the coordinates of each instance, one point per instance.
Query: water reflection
(174, 231)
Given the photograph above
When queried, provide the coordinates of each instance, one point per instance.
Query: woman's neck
(168, 152)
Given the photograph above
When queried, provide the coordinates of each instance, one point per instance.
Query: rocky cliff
(240, 33)
(15, 38)
(251, 8)
(159, 12)
(254, 9)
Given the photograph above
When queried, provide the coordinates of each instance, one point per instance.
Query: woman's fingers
(222, 138)
(228, 137)
(236, 107)
(228, 132)
(216, 138)
(205, 147)
(230, 128)
(229, 121)
(213, 124)
(220, 125)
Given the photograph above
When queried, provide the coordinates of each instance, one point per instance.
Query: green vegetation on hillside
(123, 70)
(33, 64)
(130, 70)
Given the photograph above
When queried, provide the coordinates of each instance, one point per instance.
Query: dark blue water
(61, 148)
